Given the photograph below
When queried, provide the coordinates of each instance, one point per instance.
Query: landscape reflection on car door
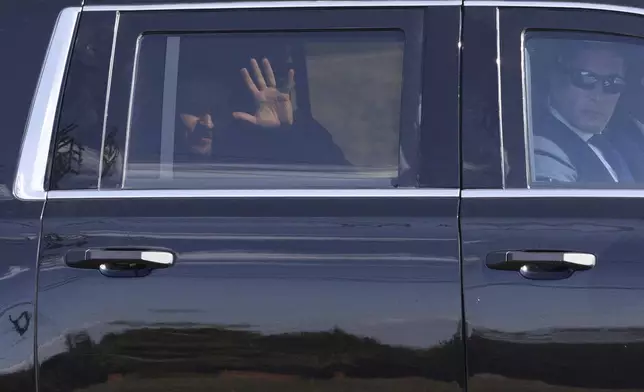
(306, 303)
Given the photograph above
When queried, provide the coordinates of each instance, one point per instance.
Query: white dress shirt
(639, 125)
(585, 136)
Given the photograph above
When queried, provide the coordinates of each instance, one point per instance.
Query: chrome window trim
(555, 4)
(253, 193)
(526, 90)
(271, 4)
(108, 91)
(392, 193)
(542, 193)
(498, 83)
(29, 183)
(130, 105)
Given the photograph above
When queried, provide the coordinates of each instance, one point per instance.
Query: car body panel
(580, 333)
(325, 294)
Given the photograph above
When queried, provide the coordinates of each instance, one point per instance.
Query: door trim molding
(271, 4)
(254, 193)
(552, 193)
(555, 4)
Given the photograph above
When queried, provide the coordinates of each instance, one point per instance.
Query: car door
(309, 242)
(552, 269)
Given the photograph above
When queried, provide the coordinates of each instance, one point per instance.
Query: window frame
(33, 161)
(30, 181)
(133, 25)
(170, 172)
(513, 19)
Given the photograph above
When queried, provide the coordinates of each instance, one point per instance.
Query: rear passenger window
(277, 110)
(252, 99)
(585, 117)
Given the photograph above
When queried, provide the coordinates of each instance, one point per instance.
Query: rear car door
(552, 243)
(307, 242)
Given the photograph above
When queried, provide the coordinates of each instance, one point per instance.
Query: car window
(584, 112)
(266, 110)
(77, 144)
(269, 99)
(480, 121)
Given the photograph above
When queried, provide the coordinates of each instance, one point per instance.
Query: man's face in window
(585, 88)
(204, 108)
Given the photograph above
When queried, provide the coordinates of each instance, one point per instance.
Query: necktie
(612, 156)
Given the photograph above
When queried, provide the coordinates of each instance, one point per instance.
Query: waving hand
(273, 108)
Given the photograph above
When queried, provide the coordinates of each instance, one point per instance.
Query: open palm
(274, 108)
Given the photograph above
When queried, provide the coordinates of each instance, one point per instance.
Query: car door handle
(121, 262)
(542, 265)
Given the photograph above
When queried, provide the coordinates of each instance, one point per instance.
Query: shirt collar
(585, 136)
(638, 123)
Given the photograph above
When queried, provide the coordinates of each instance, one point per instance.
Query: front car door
(552, 239)
(169, 262)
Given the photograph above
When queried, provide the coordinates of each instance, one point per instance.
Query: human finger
(270, 75)
(261, 83)
(249, 81)
(245, 117)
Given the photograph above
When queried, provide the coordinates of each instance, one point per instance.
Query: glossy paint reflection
(19, 230)
(319, 302)
(583, 332)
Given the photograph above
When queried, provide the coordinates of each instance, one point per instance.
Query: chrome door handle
(121, 261)
(541, 264)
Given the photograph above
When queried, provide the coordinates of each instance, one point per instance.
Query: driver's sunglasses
(586, 80)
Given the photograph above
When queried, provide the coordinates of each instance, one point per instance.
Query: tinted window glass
(480, 124)
(76, 162)
(585, 117)
(278, 110)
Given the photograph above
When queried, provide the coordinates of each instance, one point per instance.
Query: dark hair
(202, 93)
(210, 80)
(567, 51)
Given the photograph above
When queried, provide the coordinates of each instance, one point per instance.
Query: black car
(406, 195)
